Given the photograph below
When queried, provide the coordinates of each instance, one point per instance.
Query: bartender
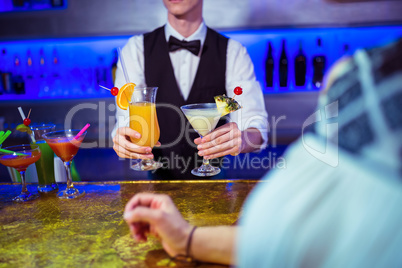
(207, 64)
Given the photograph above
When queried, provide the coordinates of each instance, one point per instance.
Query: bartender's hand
(156, 214)
(224, 140)
(126, 149)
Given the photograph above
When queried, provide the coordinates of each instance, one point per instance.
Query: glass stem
(23, 182)
(146, 162)
(205, 162)
(68, 170)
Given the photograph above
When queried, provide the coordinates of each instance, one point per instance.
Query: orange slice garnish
(124, 95)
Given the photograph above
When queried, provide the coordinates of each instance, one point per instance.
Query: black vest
(176, 135)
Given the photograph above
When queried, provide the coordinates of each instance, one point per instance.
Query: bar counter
(90, 231)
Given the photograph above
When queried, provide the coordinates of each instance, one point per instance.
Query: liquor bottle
(29, 73)
(319, 62)
(300, 67)
(2, 63)
(29, 64)
(269, 67)
(56, 82)
(6, 77)
(18, 80)
(283, 67)
(43, 77)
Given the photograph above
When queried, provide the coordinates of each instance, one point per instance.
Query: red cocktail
(23, 156)
(65, 145)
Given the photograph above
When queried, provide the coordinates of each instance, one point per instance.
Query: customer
(312, 214)
(191, 76)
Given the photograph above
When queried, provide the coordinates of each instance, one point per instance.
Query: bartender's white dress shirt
(239, 72)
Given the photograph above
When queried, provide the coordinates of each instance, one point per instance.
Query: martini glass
(23, 156)
(203, 117)
(65, 145)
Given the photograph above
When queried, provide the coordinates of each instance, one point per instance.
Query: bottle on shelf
(43, 76)
(5, 71)
(18, 79)
(30, 80)
(283, 67)
(300, 67)
(319, 62)
(269, 67)
(55, 79)
(2, 63)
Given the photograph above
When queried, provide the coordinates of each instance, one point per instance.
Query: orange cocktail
(20, 157)
(143, 119)
(65, 147)
(65, 144)
(20, 162)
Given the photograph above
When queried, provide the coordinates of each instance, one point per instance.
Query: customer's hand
(126, 149)
(224, 140)
(156, 214)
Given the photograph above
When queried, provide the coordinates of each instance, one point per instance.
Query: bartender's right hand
(126, 149)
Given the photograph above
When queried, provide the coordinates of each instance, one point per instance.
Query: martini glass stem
(69, 179)
(23, 182)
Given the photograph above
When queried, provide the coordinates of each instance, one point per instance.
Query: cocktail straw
(82, 131)
(123, 65)
(23, 118)
(104, 87)
(11, 152)
(5, 136)
(21, 113)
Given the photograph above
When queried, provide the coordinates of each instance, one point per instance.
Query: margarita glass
(143, 119)
(203, 117)
(23, 156)
(65, 145)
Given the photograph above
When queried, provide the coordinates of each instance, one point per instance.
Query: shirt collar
(199, 34)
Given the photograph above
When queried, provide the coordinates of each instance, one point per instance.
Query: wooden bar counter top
(90, 231)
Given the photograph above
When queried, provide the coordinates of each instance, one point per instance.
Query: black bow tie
(192, 46)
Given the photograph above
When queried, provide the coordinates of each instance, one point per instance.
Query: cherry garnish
(238, 91)
(27, 121)
(114, 91)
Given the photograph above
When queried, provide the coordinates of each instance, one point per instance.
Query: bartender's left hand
(224, 140)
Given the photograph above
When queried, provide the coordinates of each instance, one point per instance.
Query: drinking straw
(23, 118)
(21, 113)
(123, 65)
(11, 152)
(1, 133)
(82, 131)
(104, 87)
(5, 136)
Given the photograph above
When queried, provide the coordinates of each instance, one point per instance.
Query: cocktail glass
(45, 165)
(24, 155)
(65, 145)
(143, 119)
(203, 117)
